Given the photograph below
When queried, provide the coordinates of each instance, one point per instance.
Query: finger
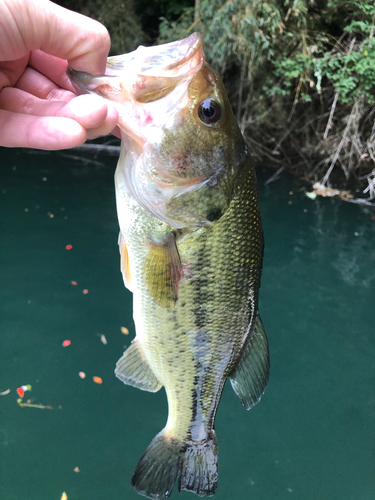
(44, 25)
(10, 71)
(90, 111)
(107, 127)
(52, 67)
(34, 83)
(98, 116)
(19, 101)
(49, 133)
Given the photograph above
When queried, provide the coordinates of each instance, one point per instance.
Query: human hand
(38, 106)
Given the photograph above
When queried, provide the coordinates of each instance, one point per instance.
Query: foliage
(119, 17)
(301, 73)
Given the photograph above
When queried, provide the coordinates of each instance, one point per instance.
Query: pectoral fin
(125, 264)
(132, 369)
(250, 377)
(163, 270)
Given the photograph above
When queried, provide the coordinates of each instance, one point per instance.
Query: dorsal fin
(250, 377)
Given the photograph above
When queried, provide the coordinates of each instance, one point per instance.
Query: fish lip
(167, 59)
(145, 75)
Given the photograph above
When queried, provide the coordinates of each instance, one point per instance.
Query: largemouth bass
(191, 246)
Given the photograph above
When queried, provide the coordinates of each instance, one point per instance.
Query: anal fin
(132, 369)
(250, 377)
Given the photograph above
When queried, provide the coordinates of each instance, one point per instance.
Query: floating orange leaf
(97, 380)
(85, 291)
(73, 283)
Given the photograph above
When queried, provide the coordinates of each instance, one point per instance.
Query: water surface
(311, 437)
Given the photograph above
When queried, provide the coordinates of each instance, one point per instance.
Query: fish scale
(191, 245)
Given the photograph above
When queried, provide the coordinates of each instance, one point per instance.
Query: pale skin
(38, 106)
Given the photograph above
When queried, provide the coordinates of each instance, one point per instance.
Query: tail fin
(199, 467)
(193, 464)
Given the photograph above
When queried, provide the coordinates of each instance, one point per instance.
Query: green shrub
(301, 75)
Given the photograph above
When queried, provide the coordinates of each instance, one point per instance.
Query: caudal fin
(193, 464)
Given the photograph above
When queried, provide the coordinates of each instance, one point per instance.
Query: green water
(312, 436)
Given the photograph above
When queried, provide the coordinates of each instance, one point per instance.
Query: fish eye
(209, 111)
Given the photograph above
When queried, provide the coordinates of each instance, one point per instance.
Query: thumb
(41, 24)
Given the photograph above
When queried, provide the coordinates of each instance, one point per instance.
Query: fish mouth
(138, 82)
(146, 74)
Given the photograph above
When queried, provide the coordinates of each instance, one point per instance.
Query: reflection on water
(311, 437)
(351, 251)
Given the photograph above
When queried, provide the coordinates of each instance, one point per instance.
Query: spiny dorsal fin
(132, 369)
(250, 377)
(125, 264)
(163, 270)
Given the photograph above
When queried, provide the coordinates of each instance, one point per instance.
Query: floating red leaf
(20, 392)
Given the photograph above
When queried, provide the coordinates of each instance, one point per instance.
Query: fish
(191, 250)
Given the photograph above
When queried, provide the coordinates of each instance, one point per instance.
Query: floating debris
(97, 380)
(85, 291)
(50, 215)
(4, 393)
(124, 330)
(103, 339)
(69, 247)
(64, 496)
(76, 469)
(311, 194)
(29, 405)
(21, 390)
(66, 343)
(82, 375)
(327, 192)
